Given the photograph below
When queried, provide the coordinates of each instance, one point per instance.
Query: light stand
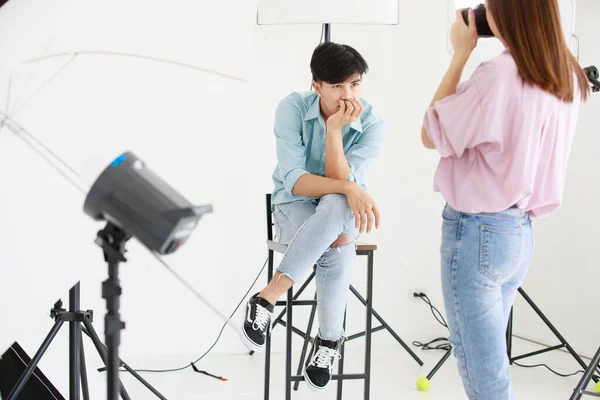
(112, 241)
(134, 202)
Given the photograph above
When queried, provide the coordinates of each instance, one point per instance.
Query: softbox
(12, 365)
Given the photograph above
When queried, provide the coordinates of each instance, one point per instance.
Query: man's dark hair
(336, 63)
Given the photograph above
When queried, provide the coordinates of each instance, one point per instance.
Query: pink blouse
(502, 143)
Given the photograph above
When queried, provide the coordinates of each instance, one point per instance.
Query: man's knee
(335, 203)
(340, 255)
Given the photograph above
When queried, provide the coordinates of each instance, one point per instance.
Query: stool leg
(311, 320)
(369, 327)
(386, 326)
(296, 296)
(268, 341)
(288, 347)
(340, 387)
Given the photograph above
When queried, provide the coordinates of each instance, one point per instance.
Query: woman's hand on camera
(464, 37)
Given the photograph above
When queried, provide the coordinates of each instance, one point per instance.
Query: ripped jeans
(309, 229)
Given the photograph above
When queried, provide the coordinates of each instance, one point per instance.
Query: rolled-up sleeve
(291, 152)
(456, 123)
(361, 154)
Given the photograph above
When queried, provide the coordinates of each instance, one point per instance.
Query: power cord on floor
(550, 369)
(445, 345)
(191, 365)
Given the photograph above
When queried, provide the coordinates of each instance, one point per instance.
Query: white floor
(394, 374)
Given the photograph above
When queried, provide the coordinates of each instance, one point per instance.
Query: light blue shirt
(300, 142)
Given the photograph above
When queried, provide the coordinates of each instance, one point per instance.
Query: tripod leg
(552, 328)
(91, 332)
(509, 334)
(589, 373)
(143, 381)
(35, 360)
(102, 351)
(85, 389)
(94, 336)
(74, 346)
(439, 364)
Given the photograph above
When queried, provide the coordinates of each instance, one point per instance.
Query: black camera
(483, 28)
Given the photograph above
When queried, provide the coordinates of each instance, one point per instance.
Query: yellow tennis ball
(423, 384)
(597, 387)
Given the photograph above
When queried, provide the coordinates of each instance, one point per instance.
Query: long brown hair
(533, 33)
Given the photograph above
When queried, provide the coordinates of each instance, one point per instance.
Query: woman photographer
(504, 138)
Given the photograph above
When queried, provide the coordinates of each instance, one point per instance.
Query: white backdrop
(331, 11)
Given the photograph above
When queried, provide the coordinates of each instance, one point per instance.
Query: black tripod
(587, 376)
(77, 368)
(512, 359)
(563, 342)
(112, 240)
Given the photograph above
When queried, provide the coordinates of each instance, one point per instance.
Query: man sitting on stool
(326, 140)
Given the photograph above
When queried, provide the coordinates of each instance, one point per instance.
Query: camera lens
(483, 28)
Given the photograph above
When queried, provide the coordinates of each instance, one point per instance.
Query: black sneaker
(257, 319)
(320, 362)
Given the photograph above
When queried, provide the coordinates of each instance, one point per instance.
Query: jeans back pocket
(500, 250)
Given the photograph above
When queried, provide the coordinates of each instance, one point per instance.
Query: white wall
(227, 250)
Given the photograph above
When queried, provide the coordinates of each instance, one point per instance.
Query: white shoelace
(263, 316)
(323, 358)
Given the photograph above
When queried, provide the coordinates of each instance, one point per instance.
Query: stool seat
(360, 246)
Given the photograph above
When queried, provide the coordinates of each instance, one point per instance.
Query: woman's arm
(446, 88)
(464, 40)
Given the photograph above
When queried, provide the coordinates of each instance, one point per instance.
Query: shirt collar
(357, 125)
(315, 110)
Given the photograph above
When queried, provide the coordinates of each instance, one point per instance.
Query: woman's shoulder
(498, 69)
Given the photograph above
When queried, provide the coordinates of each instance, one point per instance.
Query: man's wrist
(334, 131)
(346, 187)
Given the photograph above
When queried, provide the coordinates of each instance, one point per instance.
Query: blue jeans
(309, 229)
(484, 259)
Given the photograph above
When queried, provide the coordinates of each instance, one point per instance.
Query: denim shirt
(300, 141)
